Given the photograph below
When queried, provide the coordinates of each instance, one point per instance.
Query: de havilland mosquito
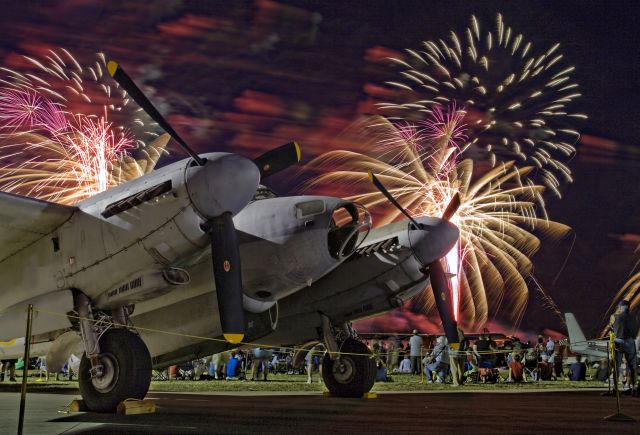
(202, 250)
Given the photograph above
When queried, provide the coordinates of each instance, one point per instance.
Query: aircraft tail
(577, 340)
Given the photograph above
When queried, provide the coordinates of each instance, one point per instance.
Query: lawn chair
(489, 376)
(159, 375)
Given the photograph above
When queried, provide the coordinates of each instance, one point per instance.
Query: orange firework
(500, 217)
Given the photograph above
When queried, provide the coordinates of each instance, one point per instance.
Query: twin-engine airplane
(201, 249)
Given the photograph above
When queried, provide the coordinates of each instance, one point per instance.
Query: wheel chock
(135, 406)
(369, 395)
(78, 405)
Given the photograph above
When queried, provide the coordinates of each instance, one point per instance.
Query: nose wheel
(126, 371)
(353, 373)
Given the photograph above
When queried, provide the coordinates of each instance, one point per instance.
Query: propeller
(225, 255)
(225, 252)
(123, 79)
(437, 275)
(277, 159)
(391, 199)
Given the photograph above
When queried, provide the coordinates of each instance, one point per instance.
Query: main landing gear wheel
(349, 375)
(126, 374)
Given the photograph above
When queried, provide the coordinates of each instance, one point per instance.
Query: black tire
(126, 358)
(349, 375)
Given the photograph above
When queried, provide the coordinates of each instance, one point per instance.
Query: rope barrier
(270, 346)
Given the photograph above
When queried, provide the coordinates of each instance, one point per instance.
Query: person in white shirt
(550, 346)
(415, 348)
(405, 365)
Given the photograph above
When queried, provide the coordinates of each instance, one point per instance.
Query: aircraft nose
(226, 183)
(434, 240)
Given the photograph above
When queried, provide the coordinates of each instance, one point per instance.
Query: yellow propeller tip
(370, 175)
(112, 66)
(233, 338)
(298, 152)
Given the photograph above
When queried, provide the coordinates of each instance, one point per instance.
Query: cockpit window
(309, 208)
(350, 222)
(263, 192)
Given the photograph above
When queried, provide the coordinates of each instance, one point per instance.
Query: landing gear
(126, 371)
(349, 375)
(348, 370)
(116, 364)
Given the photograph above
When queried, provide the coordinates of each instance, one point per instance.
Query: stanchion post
(618, 416)
(25, 369)
(421, 368)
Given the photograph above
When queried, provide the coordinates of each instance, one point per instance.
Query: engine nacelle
(289, 243)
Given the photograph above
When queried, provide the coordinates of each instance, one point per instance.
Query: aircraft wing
(24, 220)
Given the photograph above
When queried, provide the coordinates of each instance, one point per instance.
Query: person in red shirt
(516, 370)
(545, 369)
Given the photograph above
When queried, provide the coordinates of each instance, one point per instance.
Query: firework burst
(630, 291)
(500, 218)
(517, 99)
(67, 134)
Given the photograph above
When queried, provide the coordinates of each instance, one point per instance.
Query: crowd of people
(248, 364)
(480, 357)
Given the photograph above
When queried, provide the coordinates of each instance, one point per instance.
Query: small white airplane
(200, 249)
(595, 349)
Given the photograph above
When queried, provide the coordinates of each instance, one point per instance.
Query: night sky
(245, 76)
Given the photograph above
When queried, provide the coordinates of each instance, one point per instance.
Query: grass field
(292, 383)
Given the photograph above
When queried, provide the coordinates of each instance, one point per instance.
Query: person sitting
(471, 368)
(531, 360)
(516, 370)
(381, 372)
(558, 370)
(544, 369)
(405, 365)
(578, 370)
(233, 367)
(602, 374)
(438, 361)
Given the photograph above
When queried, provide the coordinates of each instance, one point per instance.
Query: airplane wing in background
(25, 220)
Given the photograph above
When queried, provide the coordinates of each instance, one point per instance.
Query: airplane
(198, 257)
(594, 350)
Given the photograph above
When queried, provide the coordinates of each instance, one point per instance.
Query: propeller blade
(134, 92)
(225, 255)
(452, 207)
(442, 296)
(278, 159)
(391, 199)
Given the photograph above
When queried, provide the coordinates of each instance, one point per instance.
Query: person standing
(313, 360)
(457, 357)
(9, 365)
(394, 353)
(551, 345)
(261, 358)
(625, 329)
(415, 349)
